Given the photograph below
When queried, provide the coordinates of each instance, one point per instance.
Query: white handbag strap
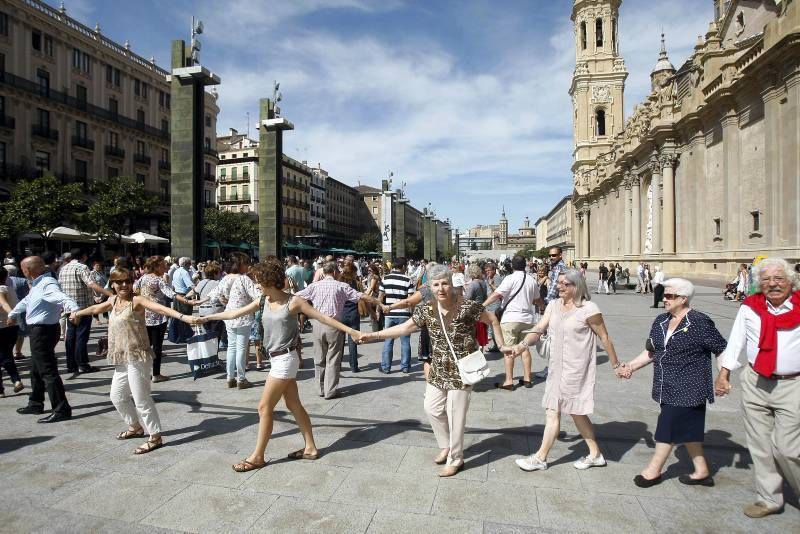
(444, 330)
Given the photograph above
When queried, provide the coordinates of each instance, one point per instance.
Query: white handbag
(543, 346)
(473, 367)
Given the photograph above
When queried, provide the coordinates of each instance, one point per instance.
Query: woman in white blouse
(237, 290)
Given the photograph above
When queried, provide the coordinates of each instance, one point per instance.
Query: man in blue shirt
(182, 283)
(42, 310)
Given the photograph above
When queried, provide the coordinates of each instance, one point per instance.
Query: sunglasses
(554, 255)
(671, 296)
(122, 282)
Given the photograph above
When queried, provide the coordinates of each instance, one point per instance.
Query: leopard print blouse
(444, 370)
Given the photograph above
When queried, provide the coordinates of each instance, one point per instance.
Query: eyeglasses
(122, 282)
(565, 284)
(672, 296)
(554, 255)
(777, 279)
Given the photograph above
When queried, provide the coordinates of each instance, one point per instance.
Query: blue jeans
(236, 357)
(75, 344)
(388, 347)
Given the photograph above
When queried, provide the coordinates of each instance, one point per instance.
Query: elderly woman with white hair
(450, 320)
(680, 346)
(573, 324)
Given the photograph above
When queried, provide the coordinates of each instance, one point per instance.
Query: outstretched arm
(92, 310)
(491, 319)
(163, 310)
(403, 329)
(299, 305)
(233, 314)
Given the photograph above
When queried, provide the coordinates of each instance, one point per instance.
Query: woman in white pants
(130, 353)
(450, 320)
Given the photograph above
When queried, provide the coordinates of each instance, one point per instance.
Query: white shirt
(746, 332)
(520, 308)
(658, 278)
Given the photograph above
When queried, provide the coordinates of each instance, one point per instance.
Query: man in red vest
(767, 330)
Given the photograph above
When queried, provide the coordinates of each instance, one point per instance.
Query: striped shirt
(396, 287)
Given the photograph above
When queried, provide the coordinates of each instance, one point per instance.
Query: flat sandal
(246, 465)
(130, 434)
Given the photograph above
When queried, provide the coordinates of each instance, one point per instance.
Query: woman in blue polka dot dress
(680, 347)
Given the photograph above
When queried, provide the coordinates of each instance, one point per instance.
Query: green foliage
(229, 226)
(412, 248)
(115, 202)
(368, 243)
(40, 205)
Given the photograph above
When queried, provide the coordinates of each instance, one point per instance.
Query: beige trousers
(447, 412)
(130, 394)
(329, 344)
(772, 424)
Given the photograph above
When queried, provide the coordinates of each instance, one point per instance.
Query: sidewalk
(375, 473)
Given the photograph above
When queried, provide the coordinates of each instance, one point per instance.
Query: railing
(7, 122)
(115, 151)
(141, 158)
(208, 177)
(211, 152)
(63, 98)
(291, 182)
(42, 131)
(12, 172)
(164, 164)
(83, 142)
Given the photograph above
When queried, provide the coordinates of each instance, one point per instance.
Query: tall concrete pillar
(400, 227)
(636, 219)
(628, 214)
(187, 115)
(270, 179)
(656, 183)
(585, 249)
(668, 210)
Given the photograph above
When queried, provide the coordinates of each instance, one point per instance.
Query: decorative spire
(62, 8)
(663, 59)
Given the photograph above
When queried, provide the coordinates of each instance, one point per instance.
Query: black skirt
(679, 424)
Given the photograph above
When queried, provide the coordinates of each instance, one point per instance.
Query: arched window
(598, 32)
(583, 35)
(600, 121)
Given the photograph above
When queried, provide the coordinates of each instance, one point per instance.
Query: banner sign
(386, 224)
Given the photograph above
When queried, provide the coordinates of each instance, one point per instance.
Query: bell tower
(598, 83)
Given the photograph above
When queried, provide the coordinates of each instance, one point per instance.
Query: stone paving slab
(376, 472)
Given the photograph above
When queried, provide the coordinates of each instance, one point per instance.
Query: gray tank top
(280, 328)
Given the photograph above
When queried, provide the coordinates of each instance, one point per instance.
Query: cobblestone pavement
(375, 473)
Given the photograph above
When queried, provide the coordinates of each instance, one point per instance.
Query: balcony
(44, 132)
(115, 151)
(13, 173)
(208, 177)
(208, 151)
(12, 80)
(82, 142)
(164, 164)
(291, 182)
(7, 122)
(141, 159)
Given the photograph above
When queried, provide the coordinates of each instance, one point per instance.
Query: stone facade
(80, 106)
(703, 175)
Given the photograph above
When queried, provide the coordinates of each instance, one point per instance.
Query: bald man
(42, 310)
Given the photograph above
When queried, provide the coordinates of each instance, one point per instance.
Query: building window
(112, 172)
(598, 32)
(113, 76)
(140, 116)
(164, 189)
(144, 91)
(234, 192)
(233, 173)
(4, 24)
(374, 209)
(43, 81)
(208, 198)
(244, 155)
(756, 221)
(36, 41)
(81, 95)
(222, 192)
(140, 178)
(614, 35)
(81, 169)
(246, 192)
(113, 106)
(717, 227)
(81, 61)
(140, 148)
(41, 160)
(207, 143)
(113, 139)
(43, 117)
(3, 155)
(168, 100)
(245, 172)
(164, 154)
(80, 130)
(223, 172)
(137, 87)
(48, 45)
(583, 35)
(600, 120)
(164, 125)
(208, 120)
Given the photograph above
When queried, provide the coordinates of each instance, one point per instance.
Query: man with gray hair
(767, 330)
(328, 297)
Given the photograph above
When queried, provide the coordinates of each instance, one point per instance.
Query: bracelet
(180, 318)
(616, 365)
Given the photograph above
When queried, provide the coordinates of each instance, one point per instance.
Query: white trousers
(447, 412)
(130, 393)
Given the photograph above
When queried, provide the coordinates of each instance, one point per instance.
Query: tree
(39, 205)
(115, 202)
(368, 242)
(230, 226)
(411, 248)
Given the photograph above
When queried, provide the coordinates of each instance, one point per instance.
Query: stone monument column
(400, 225)
(668, 210)
(187, 89)
(658, 225)
(270, 179)
(636, 219)
(627, 214)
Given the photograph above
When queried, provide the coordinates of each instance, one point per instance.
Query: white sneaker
(531, 463)
(586, 462)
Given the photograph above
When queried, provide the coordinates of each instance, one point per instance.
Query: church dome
(663, 63)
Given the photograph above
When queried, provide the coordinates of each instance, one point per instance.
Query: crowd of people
(461, 311)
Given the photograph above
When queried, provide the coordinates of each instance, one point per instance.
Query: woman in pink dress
(573, 324)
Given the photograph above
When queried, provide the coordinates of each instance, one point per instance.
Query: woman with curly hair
(279, 317)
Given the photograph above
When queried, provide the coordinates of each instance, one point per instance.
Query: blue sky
(465, 101)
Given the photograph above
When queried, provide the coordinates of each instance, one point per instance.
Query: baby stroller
(730, 289)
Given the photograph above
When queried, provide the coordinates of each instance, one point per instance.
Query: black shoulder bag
(499, 311)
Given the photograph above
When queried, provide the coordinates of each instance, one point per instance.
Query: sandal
(129, 434)
(246, 465)
(507, 387)
(149, 446)
(301, 455)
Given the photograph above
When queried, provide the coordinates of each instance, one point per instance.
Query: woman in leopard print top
(446, 397)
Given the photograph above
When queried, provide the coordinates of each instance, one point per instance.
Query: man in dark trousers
(42, 308)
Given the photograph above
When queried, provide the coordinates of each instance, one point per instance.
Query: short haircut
(518, 263)
(269, 273)
(329, 267)
(77, 253)
(212, 270)
(575, 278)
(440, 272)
(681, 287)
(399, 263)
(557, 249)
(791, 274)
(152, 263)
(475, 271)
(184, 261)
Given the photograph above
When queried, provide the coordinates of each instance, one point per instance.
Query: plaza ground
(375, 473)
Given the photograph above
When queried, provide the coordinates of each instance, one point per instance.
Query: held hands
(722, 386)
(73, 318)
(363, 338)
(385, 308)
(624, 371)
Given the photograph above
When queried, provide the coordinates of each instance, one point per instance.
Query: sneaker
(586, 462)
(244, 384)
(531, 463)
(231, 383)
(759, 509)
(541, 374)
